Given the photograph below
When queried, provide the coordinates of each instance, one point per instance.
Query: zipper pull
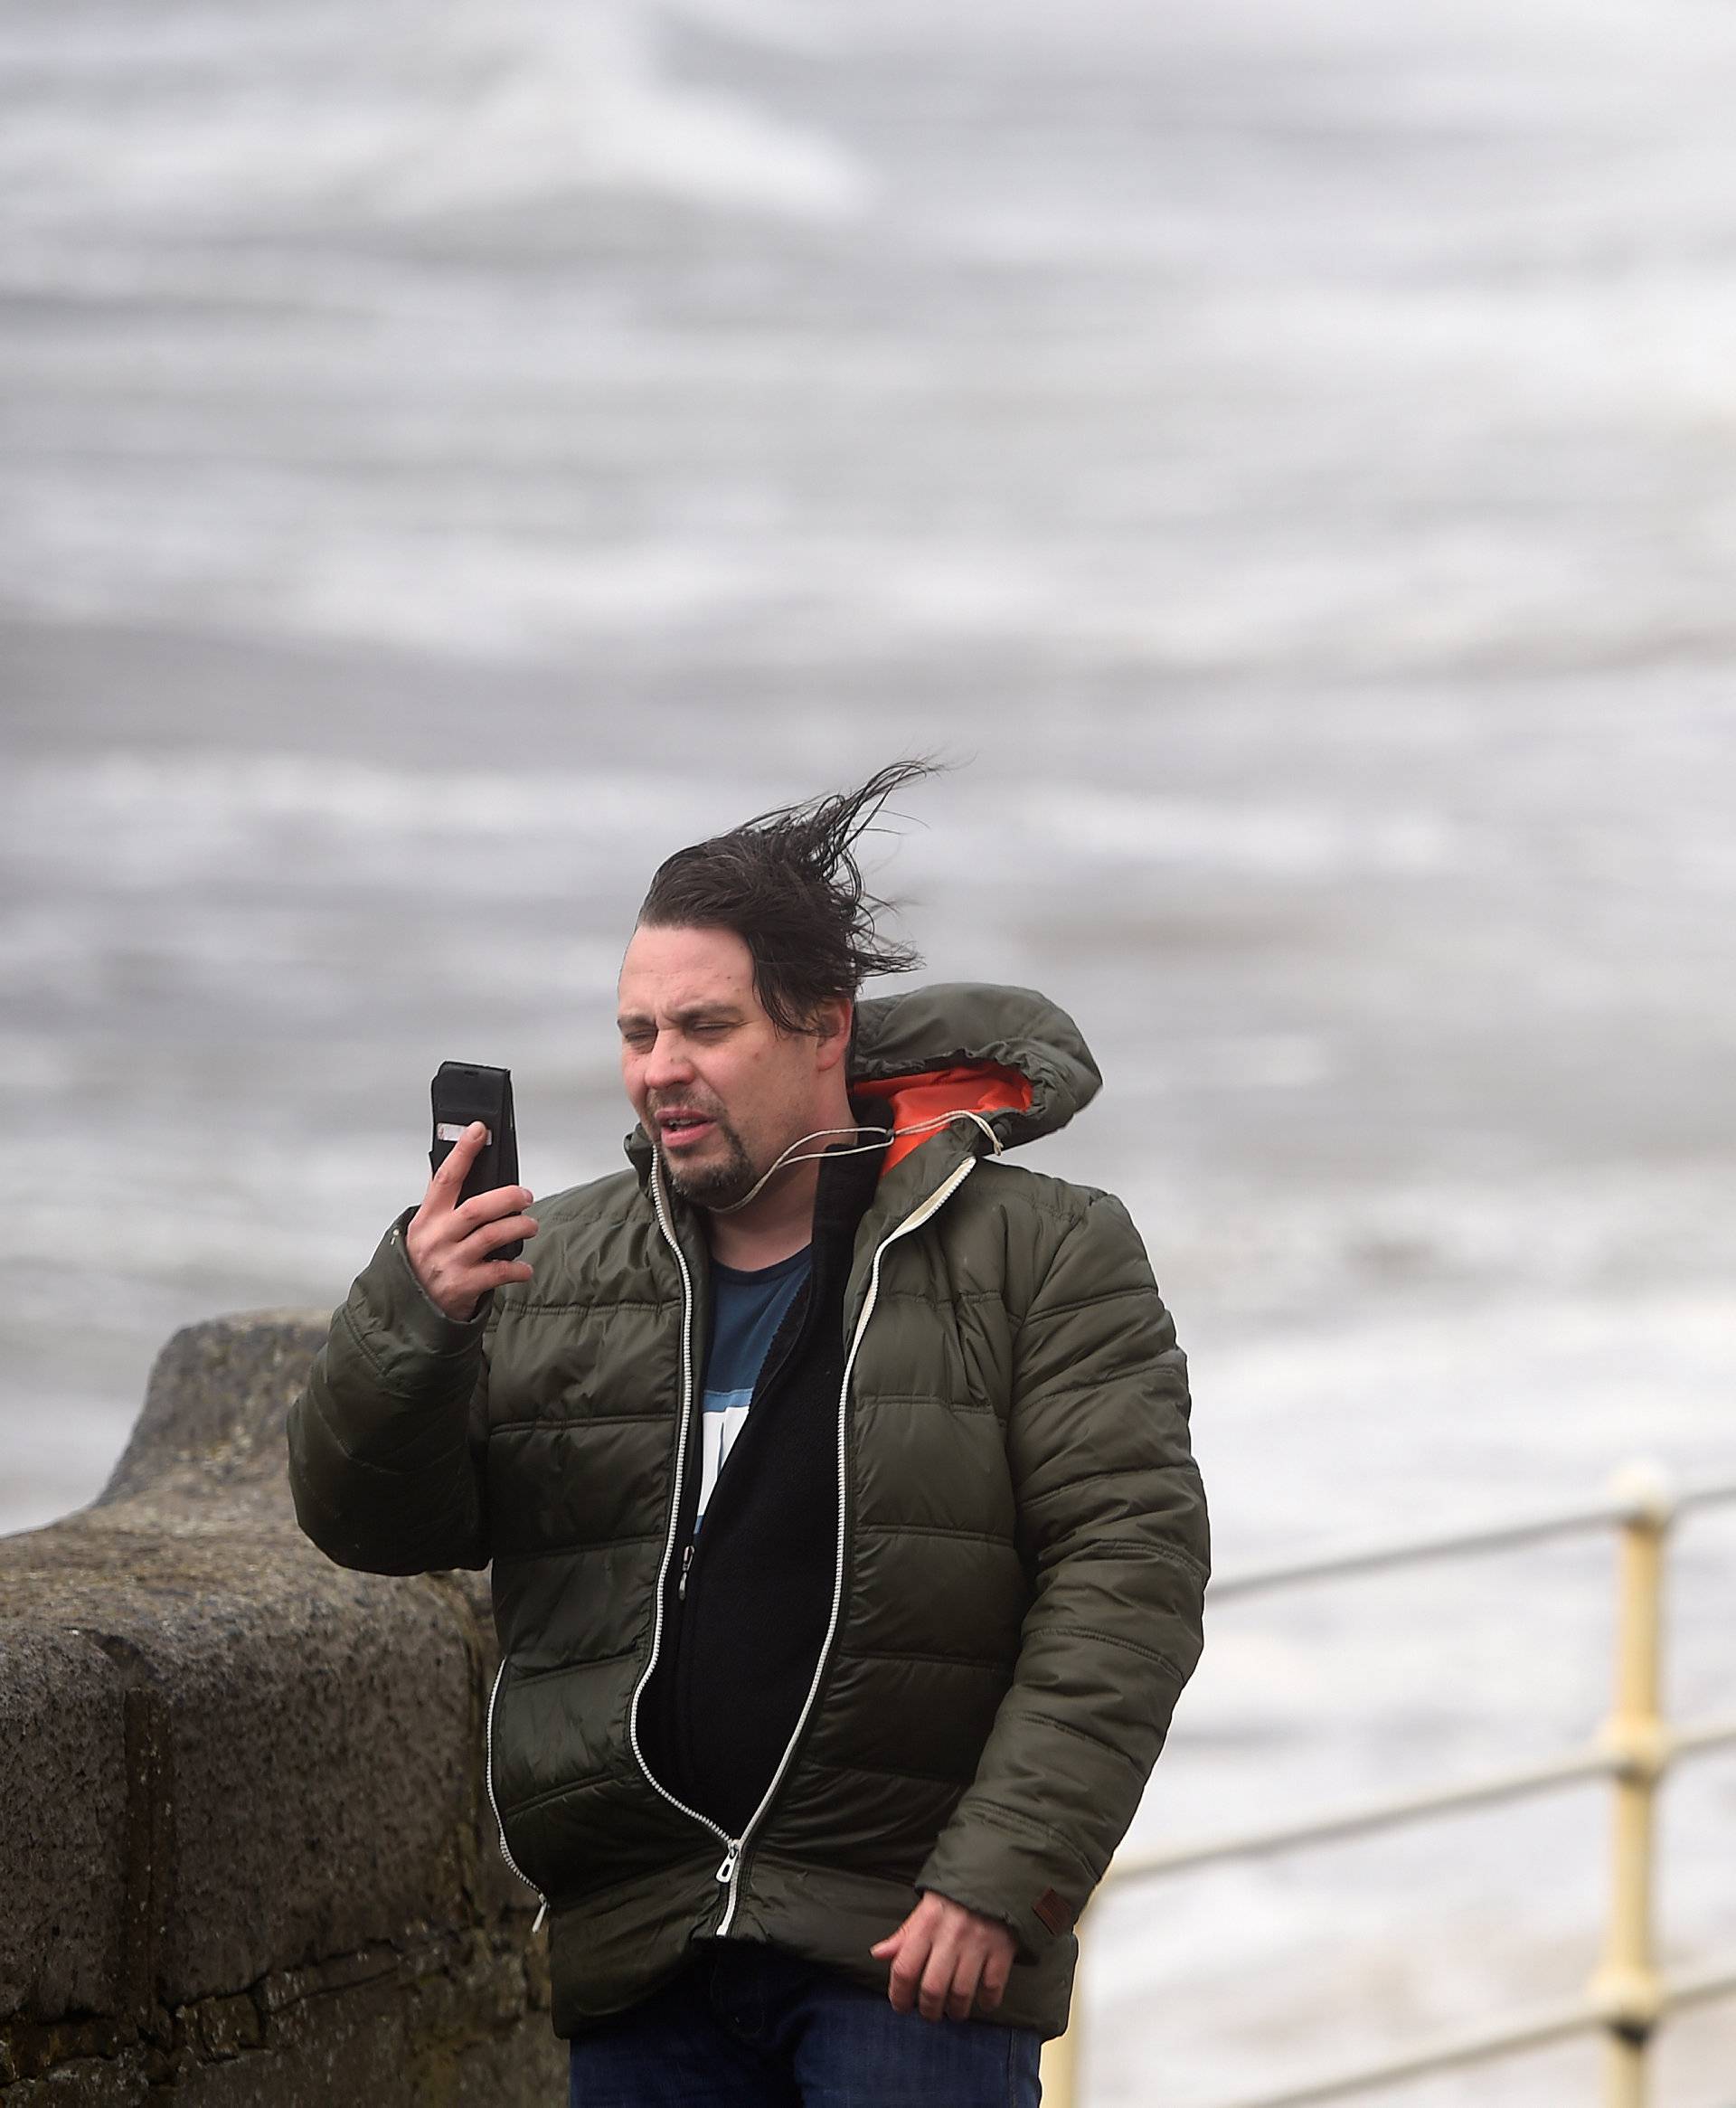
(681, 1586)
(726, 1872)
(536, 1923)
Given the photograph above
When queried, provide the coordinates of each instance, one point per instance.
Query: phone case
(464, 1091)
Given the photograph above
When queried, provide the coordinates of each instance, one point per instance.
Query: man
(848, 1552)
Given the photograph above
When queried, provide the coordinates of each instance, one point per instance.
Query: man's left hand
(945, 1957)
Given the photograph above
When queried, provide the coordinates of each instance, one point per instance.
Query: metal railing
(1626, 1998)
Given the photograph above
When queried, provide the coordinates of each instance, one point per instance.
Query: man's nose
(668, 1064)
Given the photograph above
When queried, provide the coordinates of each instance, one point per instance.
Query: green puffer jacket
(1022, 1544)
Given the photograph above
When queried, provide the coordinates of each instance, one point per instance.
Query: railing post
(1627, 1988)
(1059, 2072)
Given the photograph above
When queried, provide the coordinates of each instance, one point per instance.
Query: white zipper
(489, 1780)
(717, 1829)
(728, 1871)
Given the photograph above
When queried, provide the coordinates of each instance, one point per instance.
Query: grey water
(1281, 454)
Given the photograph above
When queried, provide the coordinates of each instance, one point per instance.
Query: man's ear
(833, 1024)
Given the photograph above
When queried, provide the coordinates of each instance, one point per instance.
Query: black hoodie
(742, 1634)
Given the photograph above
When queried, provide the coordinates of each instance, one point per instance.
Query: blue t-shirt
(747, 1308)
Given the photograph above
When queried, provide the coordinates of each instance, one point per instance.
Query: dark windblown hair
(787, 884)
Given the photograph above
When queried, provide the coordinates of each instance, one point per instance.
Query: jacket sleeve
(1113, 1525)
(387, 1437)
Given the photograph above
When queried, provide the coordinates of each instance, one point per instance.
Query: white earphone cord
(857, 1148)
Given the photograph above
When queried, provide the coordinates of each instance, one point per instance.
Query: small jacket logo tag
(1055, 1913)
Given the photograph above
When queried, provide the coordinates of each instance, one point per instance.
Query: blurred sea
(1282, 453)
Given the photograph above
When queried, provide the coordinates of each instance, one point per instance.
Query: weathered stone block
(63, 1786)
(248, 1855)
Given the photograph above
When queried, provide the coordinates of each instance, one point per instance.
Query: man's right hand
(451, 1243)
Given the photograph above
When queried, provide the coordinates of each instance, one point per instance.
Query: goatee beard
(719, 1184)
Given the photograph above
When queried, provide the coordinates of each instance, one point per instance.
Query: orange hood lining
(983, 1087)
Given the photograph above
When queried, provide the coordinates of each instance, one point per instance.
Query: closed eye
(641, 1036)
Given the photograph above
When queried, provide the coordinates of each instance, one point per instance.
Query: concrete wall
(245, 1847)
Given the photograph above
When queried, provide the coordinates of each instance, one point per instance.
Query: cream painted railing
(1626, 1998)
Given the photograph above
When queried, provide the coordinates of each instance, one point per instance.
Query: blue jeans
(747, 2027)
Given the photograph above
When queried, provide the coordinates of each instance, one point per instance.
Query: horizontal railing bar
(1401, 1551)
(1368, 1815)
(1713, 1735)
(1717, 1981)
(1708, 1493)
(1547, 2024)
(1570, 1519)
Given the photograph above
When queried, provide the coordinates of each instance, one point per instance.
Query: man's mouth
(682, 1130)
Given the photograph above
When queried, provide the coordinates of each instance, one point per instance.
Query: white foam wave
(175, 796)
(510, 106)
(596, 109)
(1296, 839)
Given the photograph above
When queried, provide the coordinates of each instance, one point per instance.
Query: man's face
(717, 1087)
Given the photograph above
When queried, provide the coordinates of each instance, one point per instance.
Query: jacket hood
(1008, 1055)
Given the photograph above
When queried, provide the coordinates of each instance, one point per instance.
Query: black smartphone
(464, 1091)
